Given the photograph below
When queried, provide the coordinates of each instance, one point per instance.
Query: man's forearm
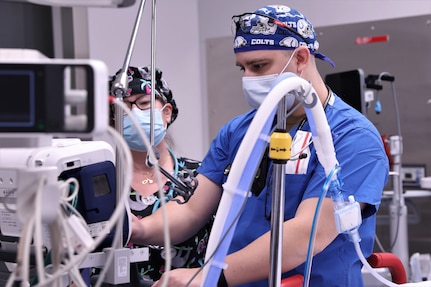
(252, 263)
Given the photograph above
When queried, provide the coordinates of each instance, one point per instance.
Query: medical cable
(309, 258)
(379, 244)
(20, 274)
(33, 227)
(109, 259)
(299, 155)
(6, 204)
(355, 238)
(354, 220)
(71, 181)
(38, 237)
(126, 189)
(287, 115)
(115, 217)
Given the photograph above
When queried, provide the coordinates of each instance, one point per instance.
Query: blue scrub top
(364, 172)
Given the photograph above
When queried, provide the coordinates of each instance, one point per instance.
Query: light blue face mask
(257, 88)
(132, 136)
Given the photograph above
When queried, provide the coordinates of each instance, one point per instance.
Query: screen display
(46, 98)
(100, 185)
(17, 91)
(349, 86)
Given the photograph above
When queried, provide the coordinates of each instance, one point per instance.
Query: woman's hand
(181, 277)
(137, 230)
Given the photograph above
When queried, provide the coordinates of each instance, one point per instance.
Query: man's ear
(302, 57)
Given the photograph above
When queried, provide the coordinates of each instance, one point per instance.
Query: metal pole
(120, 85)
(277, 211)
(398, 209)
(153, 70)
(119, 89)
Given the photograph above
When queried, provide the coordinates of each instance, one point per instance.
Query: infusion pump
(92, 162)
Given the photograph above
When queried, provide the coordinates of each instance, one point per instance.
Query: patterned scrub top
(188, 254)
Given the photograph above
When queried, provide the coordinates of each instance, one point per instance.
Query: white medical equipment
(46, 98)
(64, 155)
(58, 193)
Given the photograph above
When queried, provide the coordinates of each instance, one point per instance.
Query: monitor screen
(46, 98)
(349, 86)
(18, 98)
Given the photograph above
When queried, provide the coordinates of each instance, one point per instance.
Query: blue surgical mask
(257, 88)
(132, 136)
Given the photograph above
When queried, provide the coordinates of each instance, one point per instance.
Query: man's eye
(258, 66)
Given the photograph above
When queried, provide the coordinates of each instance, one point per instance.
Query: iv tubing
(309, 260)
(354, 237)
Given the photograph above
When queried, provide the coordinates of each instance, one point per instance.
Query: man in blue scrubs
(269, 41)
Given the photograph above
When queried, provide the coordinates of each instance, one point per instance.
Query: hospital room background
(195, 51)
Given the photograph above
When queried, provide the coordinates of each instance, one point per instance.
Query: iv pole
(279, 154)
(397, 209)
(119, 90)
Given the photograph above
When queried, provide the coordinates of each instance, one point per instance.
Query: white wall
(177, 55)
(182, 30)
(320, 12)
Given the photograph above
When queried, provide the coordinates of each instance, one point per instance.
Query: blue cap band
(275, 27)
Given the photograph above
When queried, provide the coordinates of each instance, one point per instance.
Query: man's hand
(180, 278)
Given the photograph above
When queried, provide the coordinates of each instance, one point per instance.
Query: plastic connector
(34, 182)
(348, 217)
(378, 107)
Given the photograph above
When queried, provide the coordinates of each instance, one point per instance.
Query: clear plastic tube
(354, 236)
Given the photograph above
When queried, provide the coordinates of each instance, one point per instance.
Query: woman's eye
(143, 103)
